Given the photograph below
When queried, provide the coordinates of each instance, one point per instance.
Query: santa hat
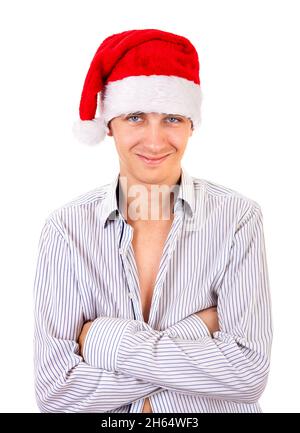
(146, 70)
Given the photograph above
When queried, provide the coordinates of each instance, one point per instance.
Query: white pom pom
(90, 131)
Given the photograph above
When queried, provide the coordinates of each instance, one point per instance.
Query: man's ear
(192, 130)
(110, 134)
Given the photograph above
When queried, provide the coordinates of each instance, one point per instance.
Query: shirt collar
(109, 208)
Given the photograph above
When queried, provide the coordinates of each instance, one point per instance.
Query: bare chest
(148, 244)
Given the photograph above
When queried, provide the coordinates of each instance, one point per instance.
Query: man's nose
(155, 135)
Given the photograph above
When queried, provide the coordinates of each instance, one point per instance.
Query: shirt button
(131, 295)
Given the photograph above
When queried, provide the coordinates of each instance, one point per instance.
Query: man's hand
(82, 336)
(210, 318)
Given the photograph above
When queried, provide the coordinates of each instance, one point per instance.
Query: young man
(162, 139)
(151, 292)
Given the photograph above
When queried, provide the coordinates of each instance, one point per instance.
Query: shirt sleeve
(234, 364)
(64, 382)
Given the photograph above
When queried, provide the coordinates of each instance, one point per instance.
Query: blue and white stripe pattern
(214, 255)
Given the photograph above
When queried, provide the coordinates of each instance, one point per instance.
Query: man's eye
(176, 118)
(138, 117)
(130, 117)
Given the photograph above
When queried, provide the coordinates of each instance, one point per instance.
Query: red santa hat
(146, 70)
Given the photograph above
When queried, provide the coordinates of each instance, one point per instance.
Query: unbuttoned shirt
(214, 255)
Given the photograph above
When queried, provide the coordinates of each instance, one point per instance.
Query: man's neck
(147, 202)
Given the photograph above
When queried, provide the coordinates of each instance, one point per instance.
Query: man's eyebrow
(135, 113)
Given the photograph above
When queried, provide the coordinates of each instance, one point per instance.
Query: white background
(248, 141)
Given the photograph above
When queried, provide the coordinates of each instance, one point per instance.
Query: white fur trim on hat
(145, 93)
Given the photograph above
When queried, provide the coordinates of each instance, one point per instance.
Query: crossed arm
(208, 315)
(118, 361)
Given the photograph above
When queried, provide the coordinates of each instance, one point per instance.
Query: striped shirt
(214, 255)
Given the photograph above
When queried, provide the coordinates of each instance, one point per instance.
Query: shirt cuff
(189, 328)
(104, 337)
(102, 341)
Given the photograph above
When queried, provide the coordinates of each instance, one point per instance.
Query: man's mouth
(152, 160)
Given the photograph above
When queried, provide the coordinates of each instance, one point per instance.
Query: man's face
(151, 135)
